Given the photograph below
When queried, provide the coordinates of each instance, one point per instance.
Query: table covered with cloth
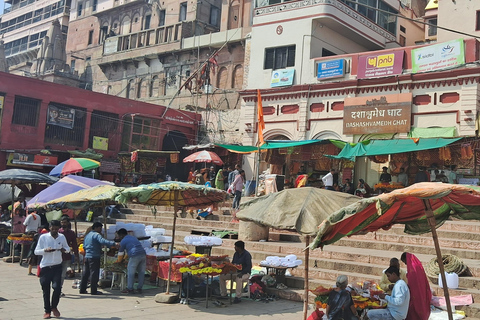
(163, 271)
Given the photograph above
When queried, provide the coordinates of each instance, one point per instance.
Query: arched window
(237, 81)
(125, 27)
(136, 23)
(139, 89)
(154, 87)
(222, 78)
(130, 89)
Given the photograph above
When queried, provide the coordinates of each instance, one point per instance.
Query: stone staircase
(359, 257)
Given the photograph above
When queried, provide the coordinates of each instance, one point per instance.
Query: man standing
(397, 307)
(233, 174)
(402, 177)
(385, 284)
(244, 258)
(328, 180)
(137, 259)
(237, 188)
(92, 244)
(385, 177)
(51, 246)
(452, 176)
(32, 222)
(71, 237)
(211, 176)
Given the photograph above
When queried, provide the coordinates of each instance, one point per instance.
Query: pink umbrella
(204, 156)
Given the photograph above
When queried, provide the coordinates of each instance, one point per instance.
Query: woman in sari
(219, 180)
(420, 292)
(340, 304)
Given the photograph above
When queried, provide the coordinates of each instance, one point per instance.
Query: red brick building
(38, 115)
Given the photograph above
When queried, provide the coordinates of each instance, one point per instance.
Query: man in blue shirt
(92, 244)
(137, 259)
(244, 258)
(398, 302)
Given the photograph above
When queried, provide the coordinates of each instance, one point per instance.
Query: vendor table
(279, 272)
(210, 278)
(21, 241)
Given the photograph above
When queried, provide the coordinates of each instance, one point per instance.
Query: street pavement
(21, 298)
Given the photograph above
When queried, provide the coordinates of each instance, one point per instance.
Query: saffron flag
(261, 123)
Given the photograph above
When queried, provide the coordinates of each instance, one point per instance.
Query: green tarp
(270, 144)
(447, 132)
(393, 146)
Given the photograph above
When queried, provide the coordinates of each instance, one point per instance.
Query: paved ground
(21, 298)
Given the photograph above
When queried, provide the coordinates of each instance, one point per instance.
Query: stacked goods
(322, 296)
(203, 241)
(201, 264)
(289, 261)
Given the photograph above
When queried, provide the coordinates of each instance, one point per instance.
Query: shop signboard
(109, 166)
(61, 116)
(282, 77)
(380, 65)
(438, 56)
(100, 143)
(378, 114)
(28, 159)
(45, 160)
(331, 69)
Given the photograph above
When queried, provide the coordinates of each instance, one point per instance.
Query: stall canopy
(443, 132)
(393, 146)
(269, 144)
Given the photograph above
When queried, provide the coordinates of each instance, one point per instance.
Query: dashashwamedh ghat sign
(377, 114)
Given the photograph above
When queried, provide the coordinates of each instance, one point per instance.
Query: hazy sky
(1, 7)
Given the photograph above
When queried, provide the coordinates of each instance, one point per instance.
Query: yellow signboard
(100, 143)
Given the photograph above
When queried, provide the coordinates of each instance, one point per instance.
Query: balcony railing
(144, 38)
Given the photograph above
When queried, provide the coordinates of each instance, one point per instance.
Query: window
(403, 29)
(278, 58)
(94, 5)
(25, 111)
(143, 135)
(402, 41)
(477, 24)
(214, 16)
(432, 27)
(72, 65)
(147, 22)
(183, 12)
(366, 11)
(79, 9)
(90, 37)
(71, 134)
(103, 34)
(161, 18)
(103, 124)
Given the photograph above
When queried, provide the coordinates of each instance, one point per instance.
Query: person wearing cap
(385, 177)
(33, 222)
(51, 246)
(92, 244)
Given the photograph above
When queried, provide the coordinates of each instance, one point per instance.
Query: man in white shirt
(51, 246)
(32, 222)
(328, 180)
(398, 302)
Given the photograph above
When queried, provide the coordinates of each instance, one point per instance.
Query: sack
(230, 189)
(268, 280)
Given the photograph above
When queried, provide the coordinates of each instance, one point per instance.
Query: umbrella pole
(257, 173)
(105, 236)
(431, 222)
(12, 245)
(77, 257)
(305, 284)
(175, 206)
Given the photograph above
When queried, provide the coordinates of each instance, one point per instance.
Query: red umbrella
(204, 156)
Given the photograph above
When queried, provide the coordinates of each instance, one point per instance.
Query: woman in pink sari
(420, 293)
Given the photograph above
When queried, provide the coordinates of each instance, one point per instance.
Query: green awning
(270, 144)
(447, 132)
(393, 146)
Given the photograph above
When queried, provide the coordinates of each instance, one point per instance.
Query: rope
(451, 264)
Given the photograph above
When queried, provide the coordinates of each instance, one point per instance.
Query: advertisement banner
(377, 114)
(61, 116)
(331, 69)
(380, 65)
(282, 77)
(45, 160)
(438, 56)
(100, 143)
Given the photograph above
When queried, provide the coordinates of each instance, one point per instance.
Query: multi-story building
(320, 57)
(185, 55)
(25, 24)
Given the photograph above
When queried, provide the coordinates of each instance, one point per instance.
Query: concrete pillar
(251, 231)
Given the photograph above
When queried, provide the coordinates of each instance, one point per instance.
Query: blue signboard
(282, 77)
(331, 69)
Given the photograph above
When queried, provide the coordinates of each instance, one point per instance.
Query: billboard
(61, 116)
(331, 69)
(438, 56)
(282, 77)
(377, 114)
(380, 65)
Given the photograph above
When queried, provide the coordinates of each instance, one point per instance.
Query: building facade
(187, 55)
(66, 120)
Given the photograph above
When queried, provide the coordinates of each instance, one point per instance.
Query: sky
(1, 7)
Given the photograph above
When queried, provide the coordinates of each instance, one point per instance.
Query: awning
(393, 146)
(447, 132)
(270, 144)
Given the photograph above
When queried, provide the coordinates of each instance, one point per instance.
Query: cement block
(166, 298)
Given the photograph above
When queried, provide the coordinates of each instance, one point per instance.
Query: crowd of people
(407, 294)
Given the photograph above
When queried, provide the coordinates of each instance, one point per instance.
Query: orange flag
(261, 123)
